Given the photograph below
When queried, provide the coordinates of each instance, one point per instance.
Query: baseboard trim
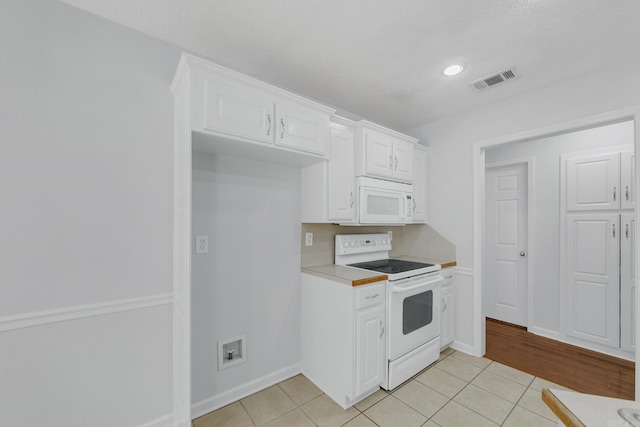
(465, 348)
(28, 320)
(165, 421)
(218, 401)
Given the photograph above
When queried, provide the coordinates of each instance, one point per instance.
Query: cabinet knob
(523, 253)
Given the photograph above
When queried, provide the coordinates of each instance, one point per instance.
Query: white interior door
(506, 261)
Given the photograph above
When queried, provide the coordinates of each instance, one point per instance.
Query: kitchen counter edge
(357, 277)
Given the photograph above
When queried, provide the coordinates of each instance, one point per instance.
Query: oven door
(414, 309)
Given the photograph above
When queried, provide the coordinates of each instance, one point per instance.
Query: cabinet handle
(381, 329)
(352, 199)
(614, 193)
(390, 161)
(281, 128)
(614, 230)
(269, 123)
(444, 306)
(626, 231)
(626, 192)
(396, 162)
(414, 205)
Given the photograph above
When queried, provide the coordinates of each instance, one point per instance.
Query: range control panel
(347, 244)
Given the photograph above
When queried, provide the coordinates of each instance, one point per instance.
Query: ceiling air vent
(495, 79)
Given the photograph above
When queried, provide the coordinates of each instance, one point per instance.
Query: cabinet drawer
(448, 277)
(367, 296)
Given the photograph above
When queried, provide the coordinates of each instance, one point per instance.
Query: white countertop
(588, 410)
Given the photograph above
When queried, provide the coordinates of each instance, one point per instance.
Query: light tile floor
(458, 390)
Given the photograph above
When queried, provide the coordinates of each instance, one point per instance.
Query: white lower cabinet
(343, 336)
(447, 319)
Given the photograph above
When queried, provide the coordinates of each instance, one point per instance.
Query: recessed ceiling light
(453, 70)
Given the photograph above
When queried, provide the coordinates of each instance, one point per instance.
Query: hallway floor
(458, 390)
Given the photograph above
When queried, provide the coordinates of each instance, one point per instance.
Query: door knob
(523, 253)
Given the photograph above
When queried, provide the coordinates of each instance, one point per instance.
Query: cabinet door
(627, 179)
(592, 277)
(341, 179)
(420, 185)
(593, 182)
(628, 283)
(301, 129)
(446, 322)
(378, 154)
(403, 160)
(370, 349)
(238, 111)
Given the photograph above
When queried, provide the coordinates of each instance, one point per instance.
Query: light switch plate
(202, 244)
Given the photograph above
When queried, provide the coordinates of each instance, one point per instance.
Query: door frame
(478, 204)
(529, 162)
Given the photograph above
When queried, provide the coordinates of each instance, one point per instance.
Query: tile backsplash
(417, 240)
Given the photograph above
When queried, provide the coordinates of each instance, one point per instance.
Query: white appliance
(413, 303)
(384, 202)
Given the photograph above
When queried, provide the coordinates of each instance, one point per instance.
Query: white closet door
(628, 283)
(592, 277)
(627, 179)
(593, 182)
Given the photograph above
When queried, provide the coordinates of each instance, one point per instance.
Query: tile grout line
(460, 391)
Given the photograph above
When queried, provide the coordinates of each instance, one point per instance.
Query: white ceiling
(383, 59)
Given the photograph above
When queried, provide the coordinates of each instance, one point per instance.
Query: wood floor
(574, 367)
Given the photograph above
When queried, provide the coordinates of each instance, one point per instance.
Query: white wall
(249, 282)
(85, 224)
(451, 140)
(544, 245)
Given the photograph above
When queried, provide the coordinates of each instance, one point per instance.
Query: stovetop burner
(391, 266)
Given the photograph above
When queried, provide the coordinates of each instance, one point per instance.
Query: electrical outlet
(390, 234)
(202, 244)
(308, 239)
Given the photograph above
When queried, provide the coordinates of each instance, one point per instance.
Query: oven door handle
(401, 289)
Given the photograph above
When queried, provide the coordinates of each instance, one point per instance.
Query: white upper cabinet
(341, 179)
(301, 128)
(420, 194)
(627, 179)
(383, 153)
(238, 111)
(238, 115)
(328, 188)
(593, 182)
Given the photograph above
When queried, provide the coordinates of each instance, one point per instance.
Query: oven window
(417, 311)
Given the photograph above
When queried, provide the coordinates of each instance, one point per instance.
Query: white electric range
(413, 302)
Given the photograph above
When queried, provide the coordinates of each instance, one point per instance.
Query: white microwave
(384, 202)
